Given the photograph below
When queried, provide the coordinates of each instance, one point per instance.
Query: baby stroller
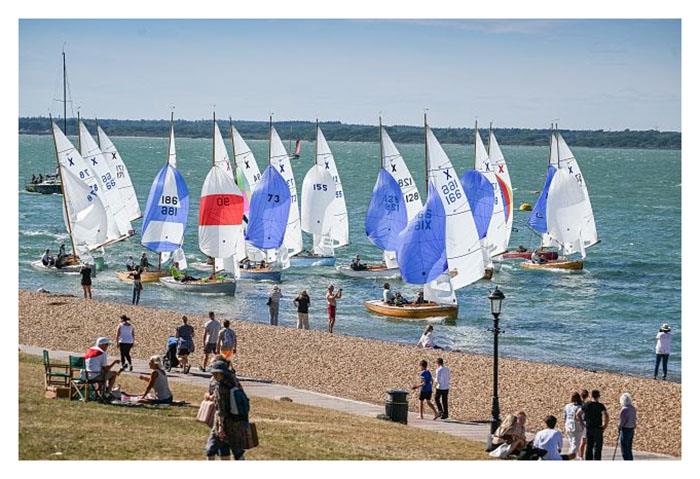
(170, 357)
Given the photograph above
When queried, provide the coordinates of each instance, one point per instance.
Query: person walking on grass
(663, 349)
(210, 338)
(426, 389)
(302, 304)
(273, 304)
(442, 387)
(626, 426)
(228, 431)
(226, 344)
(125, 339)
(573, 425)
(86, 280)
(595, 416)
(331, 298)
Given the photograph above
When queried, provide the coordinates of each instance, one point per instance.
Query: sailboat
(440, 247)
(395, 201)
(220, 220)
(83, 210)
(122, 178)
(563, 214)
(332, 230)
(487, 205)
(268, 220)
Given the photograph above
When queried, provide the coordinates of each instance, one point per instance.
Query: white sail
(118, 223)
(244, 160)
(440, 290)
(172, 154)
(464, 256)
(317, 193)
(86, 213)
(220, 214)
(495, 242)
(220, 153)
(570, 220)
(339, 228)
(393, 162)
(390, 259)
(280, 160)
(500, 169)
(124, 184)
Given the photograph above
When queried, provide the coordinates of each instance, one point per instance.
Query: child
(426, 388)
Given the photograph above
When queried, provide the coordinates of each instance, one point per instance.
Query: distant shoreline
(337, 131)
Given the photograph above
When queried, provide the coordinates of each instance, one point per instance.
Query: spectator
(442, 387)
(663, 349)
(229, 429)
(226, 344)
(573, 425)
(511, 431)
(185, 344)
(86, 280)
(331, 298)
(584, 399)
(549, 440)
(210, 338)
(627, 424)
(96, 367)
(426, 339)
(158, 382)
(138, 285)
(426, 388)
(595, 417)
(273, 304)
(214, 446)
(302, 304)
(125, 339)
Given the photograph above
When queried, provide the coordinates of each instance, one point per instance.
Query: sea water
(605, 318)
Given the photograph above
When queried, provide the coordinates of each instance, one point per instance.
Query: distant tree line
(337, 131)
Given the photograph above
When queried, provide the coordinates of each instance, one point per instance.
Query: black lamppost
(496, 297)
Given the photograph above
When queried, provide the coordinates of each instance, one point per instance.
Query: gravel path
(364, 369)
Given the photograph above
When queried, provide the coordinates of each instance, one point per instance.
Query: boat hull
(39, 266)
(44, 188)
(146, 276)
(559, 264)
(226, 287)
(261, 275)
(372, 272)
(410, 311)
(199, 266)
(548, 255)
(307, 260)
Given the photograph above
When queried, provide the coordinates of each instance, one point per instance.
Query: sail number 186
(168, 205)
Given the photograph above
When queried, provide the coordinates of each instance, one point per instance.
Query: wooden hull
(372, 272)
(548, 255)
(310, 260)
(146, 276)
(559, 264)
(410, 311)
(226, 287)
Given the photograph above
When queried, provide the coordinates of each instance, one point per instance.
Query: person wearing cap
(228, 430)
(273, 303)
(663, 349)
(96, 367)
(157, 382)
(125, 340)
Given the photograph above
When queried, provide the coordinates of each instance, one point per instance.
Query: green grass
(62, 429)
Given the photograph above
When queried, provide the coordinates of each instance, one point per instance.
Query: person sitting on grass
(512, 432)
(157, 382)
(551, 441)
(426, 389)
(96, 367)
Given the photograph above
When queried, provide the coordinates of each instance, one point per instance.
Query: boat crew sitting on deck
(356, 265)
(41, 178)
(33, 179)
(47, 259)
(263, 264)
(144, 262)
(537, 257)
(521, 249)
(400, 300)
(420, 299)
(130, 265)
(387, 295)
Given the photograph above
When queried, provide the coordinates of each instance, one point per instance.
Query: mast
(78, 127)
(316, 151)
(556, 138)
(425, 130)
(381, 146)
(170, 138)
(213, 163)
(488, 147)
(65, 121)
(98, 136)
(269, 143)
(233, 145)
(476, 133)
(63, 188)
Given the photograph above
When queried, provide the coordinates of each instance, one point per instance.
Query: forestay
(464, 255)
(338, 213)
(280, 160)
(269, 211)
(220, 213)
(124, 184)
(386, 215)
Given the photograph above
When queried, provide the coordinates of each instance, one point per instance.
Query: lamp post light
(496, 298)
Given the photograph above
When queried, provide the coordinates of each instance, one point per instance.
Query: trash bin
(396, 405)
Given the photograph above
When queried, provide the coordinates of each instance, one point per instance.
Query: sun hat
(124, 317)
(665, 327)
(101, 341)
(219, 367)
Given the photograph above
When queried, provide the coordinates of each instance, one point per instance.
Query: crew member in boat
(33, 179)
(263, 264)
(387, 295)
(537, 257)
(356, 265)
(130, 264)
(420, 299)
(47, 259)
(41, 178)
(144, 262)
(62, 256)
(521, 249)
(400, 300)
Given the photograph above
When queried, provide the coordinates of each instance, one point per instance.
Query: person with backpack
(226, 344)
(231, 416)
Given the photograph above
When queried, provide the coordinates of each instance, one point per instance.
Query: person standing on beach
(185, 344)
(138, 285)
(426, 389)
(86, 280)
(573, 425)
(125, 339)
(331, 298)
(273, 304)
(626, 426)
(302, 304)
(442, 387)
(226, 343)
(595, 417)
(210, 338)
(584, 399)
(663, 349)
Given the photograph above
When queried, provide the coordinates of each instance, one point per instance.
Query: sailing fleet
(250, 222)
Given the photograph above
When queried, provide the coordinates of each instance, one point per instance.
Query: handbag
(501, 451)
(206, 413)
(250, 437)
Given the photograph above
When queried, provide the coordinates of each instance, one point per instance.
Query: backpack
(240, 405)
(227, 338)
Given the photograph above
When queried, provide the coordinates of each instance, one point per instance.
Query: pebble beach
(363, 369)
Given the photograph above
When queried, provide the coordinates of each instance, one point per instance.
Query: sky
(584, 74)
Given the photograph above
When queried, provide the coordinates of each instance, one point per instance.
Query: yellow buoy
(525, 207)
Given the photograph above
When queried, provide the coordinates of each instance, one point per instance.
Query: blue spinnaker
(538, 217)
(386, 215)
(166, 211)
(269, 211)
(421, 250)
(480, 193)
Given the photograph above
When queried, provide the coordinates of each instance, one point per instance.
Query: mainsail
(338, 213)
(280, 160)
(124, 184)
(318, 193)
(269, 211)
(220, 213)
(498, 166)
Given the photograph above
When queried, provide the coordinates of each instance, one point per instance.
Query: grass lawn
(62, 429)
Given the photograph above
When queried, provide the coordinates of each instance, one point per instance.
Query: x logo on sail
(571, 170)
(327, 167)
(281, 168)
(500, 169)
(70, 161)
(247, 165)
(447, 174)
(94, 161)
(114, 155)
(393, 168)
(487, 166)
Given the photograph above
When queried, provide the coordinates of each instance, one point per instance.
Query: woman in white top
(158, 382)
(125, 339)
(573, 427)
(426, 340)
(663, 348)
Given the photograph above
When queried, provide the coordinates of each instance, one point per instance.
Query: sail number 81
(451, 192)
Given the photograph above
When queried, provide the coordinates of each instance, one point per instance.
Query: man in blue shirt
(426, 389)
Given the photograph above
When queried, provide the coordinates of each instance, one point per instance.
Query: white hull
(73, 269)
(226, 287)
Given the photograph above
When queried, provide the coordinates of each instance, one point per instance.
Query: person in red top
(96, 367)
(331, 297)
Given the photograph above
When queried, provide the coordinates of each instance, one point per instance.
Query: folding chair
(81, 388)
(55, 374)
